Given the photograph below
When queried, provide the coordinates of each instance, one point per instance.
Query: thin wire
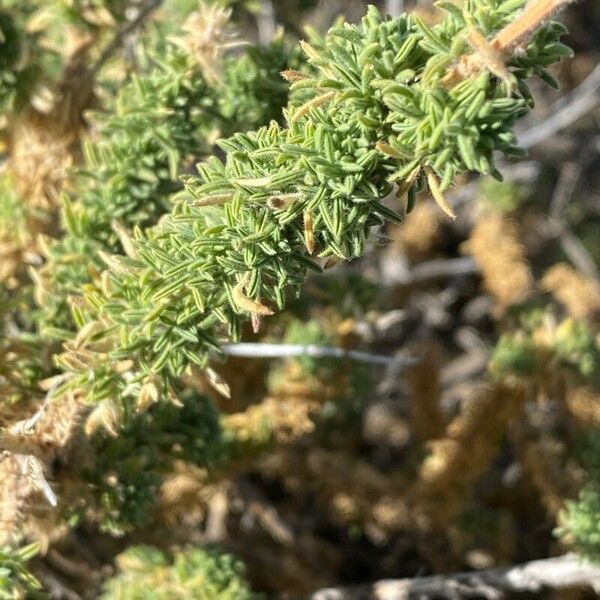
(260, 350)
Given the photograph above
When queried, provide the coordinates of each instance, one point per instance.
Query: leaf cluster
(379, 116)
(162, 123)
(570, 345)
(127, 470)
(148, 573)
(16, 581)
(578, 521)
(10, 50)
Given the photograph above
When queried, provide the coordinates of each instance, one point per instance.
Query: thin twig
(144, 11)
(215, 530)
(531, 18)
(431, 271)
(71, 566)
(570, 243)
(576, 251)
(582, 100)
(265, 21)
(551, 573)
(56, 587)
(563, 192)
(260, 509)
(263, 350)
(442, 267)
(492, 54)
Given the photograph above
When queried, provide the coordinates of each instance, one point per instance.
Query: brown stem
(532, 18)
(491, 54)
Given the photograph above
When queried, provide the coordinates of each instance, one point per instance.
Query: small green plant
(147, 573)
(579, 525)
(569, 344)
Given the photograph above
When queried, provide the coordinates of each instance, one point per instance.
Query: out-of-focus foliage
(147, 573)
(542, 345)
(578, 522)
(130, 467)
(15, 579)
(10, 50)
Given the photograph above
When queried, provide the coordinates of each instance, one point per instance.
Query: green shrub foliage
(195, 573)
(16, 581)
(162, 123)
(374, 113)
